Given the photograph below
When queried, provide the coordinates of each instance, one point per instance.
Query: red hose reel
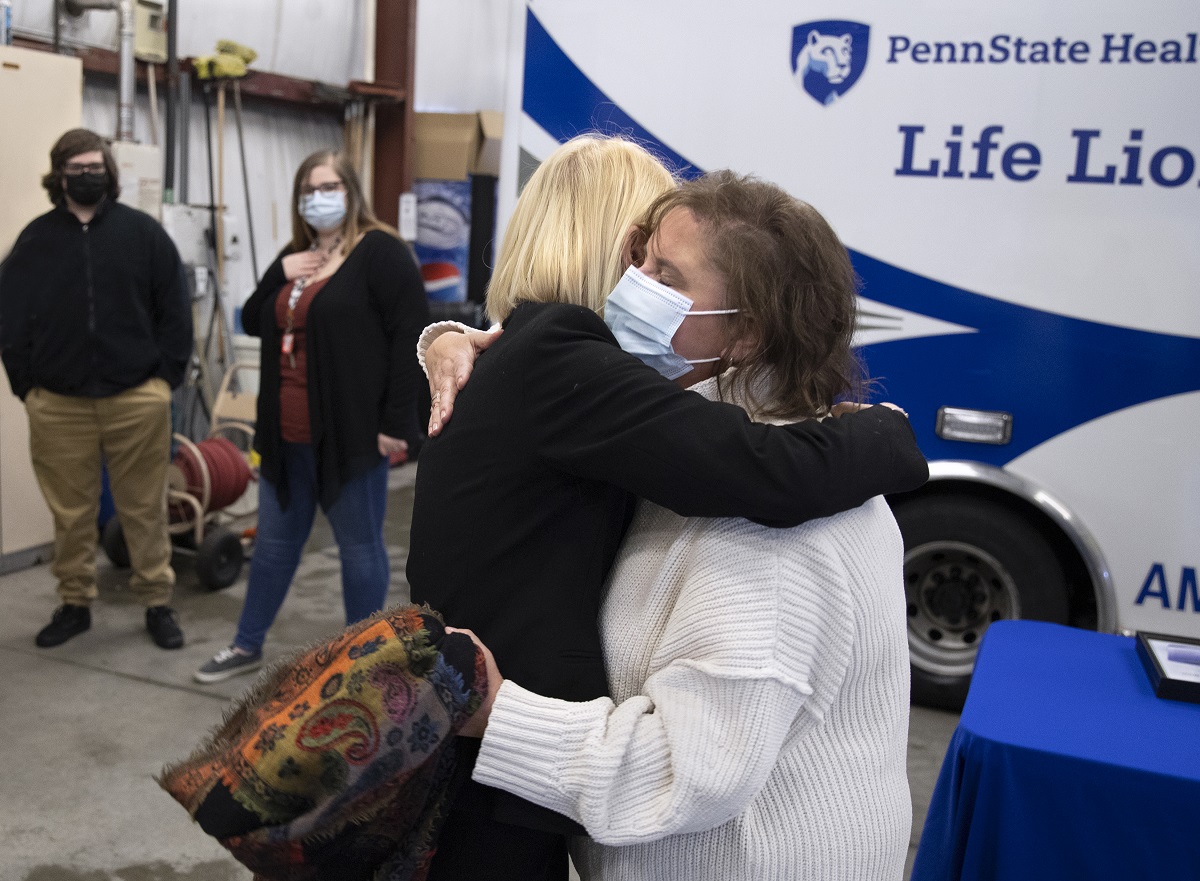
(212, 474)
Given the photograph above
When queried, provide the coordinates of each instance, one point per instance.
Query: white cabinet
(41, 96)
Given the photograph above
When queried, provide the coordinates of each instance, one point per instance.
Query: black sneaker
(164, 629)
(226, 663)
(68, 621)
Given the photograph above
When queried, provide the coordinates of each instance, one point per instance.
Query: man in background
(96, 329)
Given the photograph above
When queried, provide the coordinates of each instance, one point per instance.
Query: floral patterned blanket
(337, 765)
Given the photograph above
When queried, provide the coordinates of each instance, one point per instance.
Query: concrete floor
(86, 725)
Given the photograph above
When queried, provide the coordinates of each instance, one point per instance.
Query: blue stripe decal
(563, 101)
(1051, 372)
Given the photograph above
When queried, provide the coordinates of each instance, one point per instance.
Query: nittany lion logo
(828, 57)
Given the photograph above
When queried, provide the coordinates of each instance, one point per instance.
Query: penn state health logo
(828, 57)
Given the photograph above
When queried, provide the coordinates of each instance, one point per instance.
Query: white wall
(462, 48)
(312, 39)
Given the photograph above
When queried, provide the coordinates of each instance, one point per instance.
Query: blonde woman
(522, 500)
(338, 312)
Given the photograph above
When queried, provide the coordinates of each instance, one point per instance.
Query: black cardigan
(523, 499)
(363, 376)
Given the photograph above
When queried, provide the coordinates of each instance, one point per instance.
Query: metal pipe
(185, 134)
(237, 110)
(126, 81)
(77, 8)
(126, 77)
(212, 195)
(169, 142)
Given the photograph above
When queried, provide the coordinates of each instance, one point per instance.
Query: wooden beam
(377, 91)
(255, 84)
(395, 53)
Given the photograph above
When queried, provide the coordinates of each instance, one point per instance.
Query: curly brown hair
(790, 277)
(66, 148)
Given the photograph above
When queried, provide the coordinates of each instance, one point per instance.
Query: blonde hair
(565, 242)
(359, 216)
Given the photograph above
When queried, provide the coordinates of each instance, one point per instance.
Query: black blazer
(523, 499)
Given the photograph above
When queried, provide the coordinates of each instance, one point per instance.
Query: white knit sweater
(760, 707)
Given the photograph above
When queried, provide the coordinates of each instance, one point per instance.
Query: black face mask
(87, 189)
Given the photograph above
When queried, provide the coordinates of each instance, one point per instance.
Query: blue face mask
(323, 211)
(644, 315)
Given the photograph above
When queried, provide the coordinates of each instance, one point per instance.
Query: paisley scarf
(337, 765)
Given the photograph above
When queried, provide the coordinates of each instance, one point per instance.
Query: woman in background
(338, 313)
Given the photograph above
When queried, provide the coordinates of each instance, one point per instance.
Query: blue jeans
(357, 521)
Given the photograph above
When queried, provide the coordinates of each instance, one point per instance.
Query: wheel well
(1080, 588)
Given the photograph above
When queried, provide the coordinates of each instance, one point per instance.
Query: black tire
(184, 540)
(219, 559)
(113, 542)
(969, 562)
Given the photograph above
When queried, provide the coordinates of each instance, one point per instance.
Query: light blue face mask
(644, 315)
(323, 211)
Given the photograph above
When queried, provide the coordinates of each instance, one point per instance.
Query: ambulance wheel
(113, 542)
(969, 562)
(219, 559)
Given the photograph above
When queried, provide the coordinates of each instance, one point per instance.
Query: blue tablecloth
(1065, 765)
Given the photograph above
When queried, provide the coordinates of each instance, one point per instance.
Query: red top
(293, 368)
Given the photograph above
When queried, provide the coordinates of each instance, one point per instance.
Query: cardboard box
(449, 149)
(453, 146)
(491, 128)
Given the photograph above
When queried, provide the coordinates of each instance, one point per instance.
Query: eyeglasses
(332, 186)
(73, 169)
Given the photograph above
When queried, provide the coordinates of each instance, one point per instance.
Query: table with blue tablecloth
(1065, 765)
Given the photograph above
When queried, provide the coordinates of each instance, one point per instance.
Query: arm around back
(600, 413)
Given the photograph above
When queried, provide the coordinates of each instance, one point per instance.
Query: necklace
(287, 342)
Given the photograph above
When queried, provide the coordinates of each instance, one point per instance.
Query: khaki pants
(132, 431)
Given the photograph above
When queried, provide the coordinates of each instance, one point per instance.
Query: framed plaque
(1173, 665)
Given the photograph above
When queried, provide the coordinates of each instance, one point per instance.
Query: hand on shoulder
(450, 361)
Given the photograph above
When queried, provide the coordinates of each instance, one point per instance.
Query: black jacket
(363, 375)
(522, 501)
(94, 309)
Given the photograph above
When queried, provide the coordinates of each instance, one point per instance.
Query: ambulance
(1019, 187)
